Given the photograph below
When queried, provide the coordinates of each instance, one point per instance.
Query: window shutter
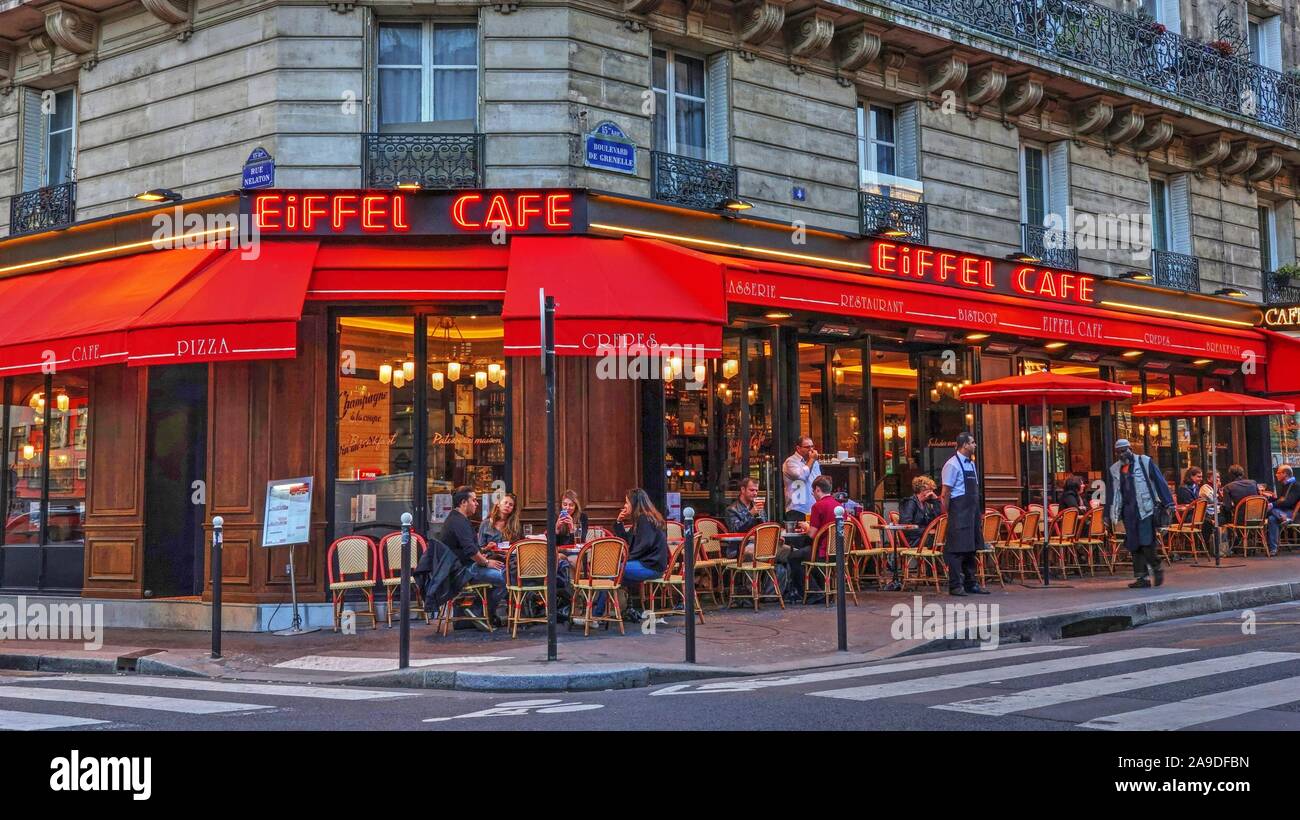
(1171, 14)
(1058, 181)
(1180, 215)
(907, 141)
(33, 136)
(718, 108)
(1270, 40)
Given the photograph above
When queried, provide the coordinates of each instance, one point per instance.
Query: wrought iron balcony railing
(1055, 247)
(42, 209)
(694, 183)
(1280, 289)
(1125, 46)
(429, 160)
(899, 218)
(1176, 270)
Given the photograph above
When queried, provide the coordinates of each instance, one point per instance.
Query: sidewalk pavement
(735, 642)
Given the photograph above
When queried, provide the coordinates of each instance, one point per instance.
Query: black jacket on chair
(648, 544)
(438, 575)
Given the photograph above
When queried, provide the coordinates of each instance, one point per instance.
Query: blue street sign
(259, 169)
(609, 149)
(799, 193)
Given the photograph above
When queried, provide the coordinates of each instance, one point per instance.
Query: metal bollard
(688, 580)
(404, 646)
(841, 611)
(217, 523)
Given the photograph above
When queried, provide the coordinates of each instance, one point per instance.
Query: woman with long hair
(647, 550)
(502, 525)
(566, 525)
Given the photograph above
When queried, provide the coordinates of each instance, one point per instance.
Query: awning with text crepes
(244, 305)
(77, 315)
(636, 296)
(1280, 377)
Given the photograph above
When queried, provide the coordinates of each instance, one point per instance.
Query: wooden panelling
(113, 566)
(111, 560)
(230, 438)
(999, 439)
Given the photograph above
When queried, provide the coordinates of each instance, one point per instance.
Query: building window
(1267, 239)
(1264, 39)
(49, 137)
(1160, 228)
(427, 73)
(679, 84)
(1033, 185)
(887, 148)
(1168, 12)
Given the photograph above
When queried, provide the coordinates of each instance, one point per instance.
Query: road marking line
(242, 688)
(860, 671)
(160, 704)
(1115, 684)
(998, 673)
(30, 721)
(1190, 712)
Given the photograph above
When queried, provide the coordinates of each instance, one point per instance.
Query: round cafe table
(895, 530)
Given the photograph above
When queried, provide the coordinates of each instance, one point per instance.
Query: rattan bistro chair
(871, 548)
(1091, 543)
(525, 580)
(927, 555)
(709, 560)
(599, 570)
(1022, 543)
(390, 550)
(1248, 523)
(756, 561)
(1060, 549)
(353, 563)
(1189, 531)
(670, 588)
(992, 535)
(825, 541)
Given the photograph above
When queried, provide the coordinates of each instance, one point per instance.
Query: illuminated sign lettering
(482, 211)
(962, 270)
(1286, 316)
(331, 213)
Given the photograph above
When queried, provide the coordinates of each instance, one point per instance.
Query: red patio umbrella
(1214, 403)
(1044, 388)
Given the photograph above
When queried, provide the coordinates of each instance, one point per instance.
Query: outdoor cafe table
(894, 530)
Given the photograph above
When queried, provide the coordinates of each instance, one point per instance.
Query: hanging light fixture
(753, 393)
(701, 372)
(37, 401)
(439, 380)
(728, 395)
(668, 373)
(839, 375)
(399, 378)
(408, 370)
(1062, 436)
(62, 402)
(888, 432)
(453, 371)
(730, 368)
(480, 379)
(494, 372)
(676, 363)
(385, 373)
(29, 452)
(902, 431)
(501, 380)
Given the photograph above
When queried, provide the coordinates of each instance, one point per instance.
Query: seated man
(1283, 508)
(459, 536)
(740, 515)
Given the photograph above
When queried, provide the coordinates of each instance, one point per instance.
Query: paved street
(1200, 673)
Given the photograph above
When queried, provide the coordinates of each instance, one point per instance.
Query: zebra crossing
(1092, 686)
(110, 699)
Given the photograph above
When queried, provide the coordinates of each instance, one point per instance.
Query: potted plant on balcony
(1151, 27)
(1223, 48)
(1287, 274)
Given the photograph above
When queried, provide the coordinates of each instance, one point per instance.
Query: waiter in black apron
(961, 503)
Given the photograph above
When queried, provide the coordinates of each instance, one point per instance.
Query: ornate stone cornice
(1156, 134)
(855, 46)
(1268, 165)
(986, 84)
(70, 29)
(1092, 116)
(1210, 151)
(945, 74)
(809, 32)
(1125, 125)
(168, 11)
(1240, 158)
(1024, 94)
(756, 23)
(641, 6)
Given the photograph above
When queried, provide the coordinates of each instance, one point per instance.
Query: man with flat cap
(1135, 490)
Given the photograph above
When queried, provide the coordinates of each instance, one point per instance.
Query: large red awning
(612, 294)
(243, 306)
(1281, 378)
(383, 272)
(1045, 386)
(785, 286)
(77, 316)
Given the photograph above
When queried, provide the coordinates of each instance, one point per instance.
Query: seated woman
(566, 525)
(1072, 493)
(919, 508)
(647, 543)
(501, 527)
(1190, 489)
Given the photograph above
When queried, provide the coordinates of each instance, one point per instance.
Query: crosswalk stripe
(243, 688)
(751, 684)
(1115, 684)
(997, 673)
(1206, 708)
(29, 721)
(161, 704)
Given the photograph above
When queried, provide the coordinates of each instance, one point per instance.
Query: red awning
(1281, 378)
(383, 272)
(242, 306)
(612, 294)
(1044, 386)
(1214, 403)
(786, 286)
(77, 316)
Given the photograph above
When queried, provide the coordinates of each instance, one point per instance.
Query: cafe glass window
(944, 415)
(1126, 425)
(740, 427)
(46, 425)
(894, 397)
(689, 421)
(396, 455)
(427, 73)
(680, 93)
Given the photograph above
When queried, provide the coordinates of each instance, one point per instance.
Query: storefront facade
(386, 344)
